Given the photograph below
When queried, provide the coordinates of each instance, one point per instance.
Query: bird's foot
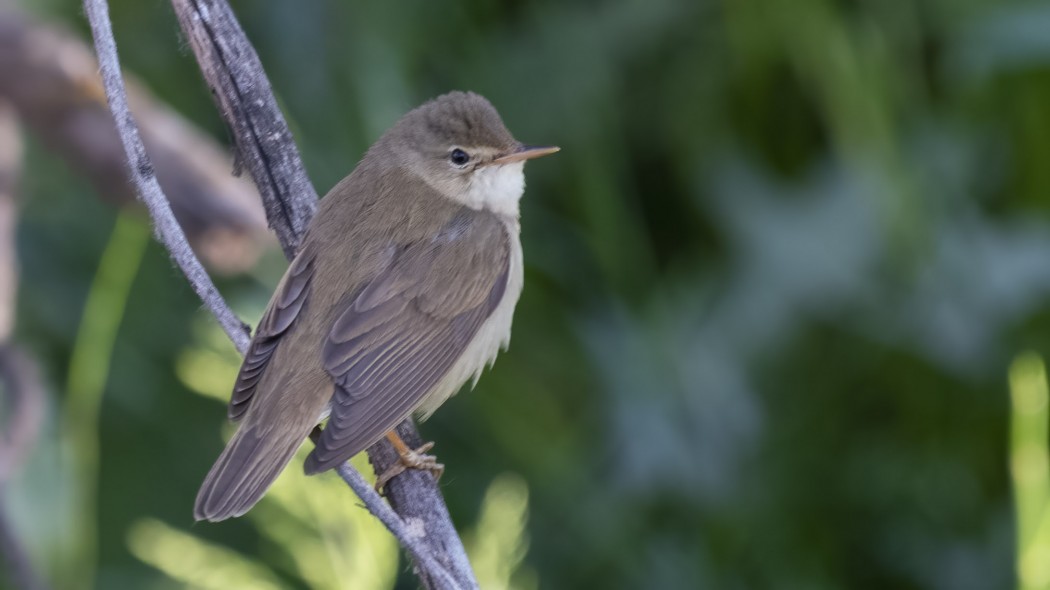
(409, 459)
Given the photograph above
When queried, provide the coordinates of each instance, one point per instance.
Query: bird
(403, 289)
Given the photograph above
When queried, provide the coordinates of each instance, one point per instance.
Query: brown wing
(406, 328)
(284, 307)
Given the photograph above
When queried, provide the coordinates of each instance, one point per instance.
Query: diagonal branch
(414, 495)
(266, 148)
(264, 144)
(424, 556)
(168, 230)
(433, 574)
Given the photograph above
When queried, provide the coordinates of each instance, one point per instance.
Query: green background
(774, 283)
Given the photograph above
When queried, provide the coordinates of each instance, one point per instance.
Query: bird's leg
(409, 459)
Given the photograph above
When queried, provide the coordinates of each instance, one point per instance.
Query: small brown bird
(403, 289)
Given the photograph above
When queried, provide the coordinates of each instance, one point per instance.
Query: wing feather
(285, 306)
(403, 331)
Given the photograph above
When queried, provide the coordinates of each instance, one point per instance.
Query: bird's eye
(458, 157)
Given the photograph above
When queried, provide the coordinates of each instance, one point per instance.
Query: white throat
(497, 188)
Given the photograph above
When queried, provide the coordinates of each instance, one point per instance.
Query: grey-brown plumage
(403, 289)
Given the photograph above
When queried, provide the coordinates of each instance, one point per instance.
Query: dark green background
(773, 280)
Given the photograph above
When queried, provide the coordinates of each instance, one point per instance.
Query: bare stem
(433, 574)
(145, 180)
(413, 541)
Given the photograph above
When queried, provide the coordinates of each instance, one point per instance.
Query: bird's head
(457, 143)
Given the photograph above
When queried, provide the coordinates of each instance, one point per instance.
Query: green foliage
(1030, 467)
(774, 282)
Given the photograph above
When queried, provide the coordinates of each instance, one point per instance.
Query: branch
(412, 540)
(264, 144)
(23, 395)
(266, 148)
(415, 496)
(51, 79)
(145, 179)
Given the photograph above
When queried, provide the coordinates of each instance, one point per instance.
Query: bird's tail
(244, 471)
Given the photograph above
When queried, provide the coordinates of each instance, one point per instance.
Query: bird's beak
(525, 152)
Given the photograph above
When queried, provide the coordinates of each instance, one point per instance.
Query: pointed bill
(526, 152)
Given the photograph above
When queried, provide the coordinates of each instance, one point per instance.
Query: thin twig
(415, 496)
(432, 534)
(410, 540)
(145, 180)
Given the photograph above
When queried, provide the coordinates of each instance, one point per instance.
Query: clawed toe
(409, 459)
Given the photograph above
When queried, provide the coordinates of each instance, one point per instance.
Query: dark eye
(458, 157)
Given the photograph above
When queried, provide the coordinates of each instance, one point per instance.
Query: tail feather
(243, 472)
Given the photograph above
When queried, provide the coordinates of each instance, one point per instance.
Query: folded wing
(404, 330)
